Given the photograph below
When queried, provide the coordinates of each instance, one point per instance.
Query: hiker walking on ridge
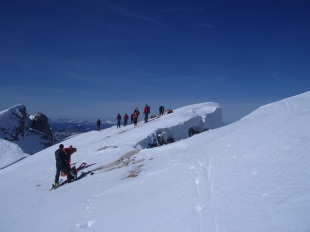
(131, 118)
(135, 116)
(119, 117)
(98, 124)
(161, 110)
(146, 112)
(125, 119)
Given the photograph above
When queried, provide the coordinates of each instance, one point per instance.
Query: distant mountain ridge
(33, 133)
(65, 128)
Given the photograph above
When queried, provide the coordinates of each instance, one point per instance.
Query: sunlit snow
(249, 176)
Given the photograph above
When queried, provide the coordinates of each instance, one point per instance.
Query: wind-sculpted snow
(172, 134)
(194, 125)
(252, 175)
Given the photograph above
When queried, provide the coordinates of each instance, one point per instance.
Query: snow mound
(184, 123)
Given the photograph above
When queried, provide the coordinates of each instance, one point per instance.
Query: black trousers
(61, 166)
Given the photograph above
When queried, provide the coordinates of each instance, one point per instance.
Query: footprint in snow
(85, 225)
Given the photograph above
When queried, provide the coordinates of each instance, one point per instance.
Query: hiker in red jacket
(146, 112)
(69, 151)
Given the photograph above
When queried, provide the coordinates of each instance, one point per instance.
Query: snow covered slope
(252, 175)
(10, 153)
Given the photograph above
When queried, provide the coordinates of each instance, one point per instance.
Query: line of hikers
(134, 116)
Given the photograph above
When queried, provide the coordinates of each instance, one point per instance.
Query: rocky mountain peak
(32, 135)
(40, 123)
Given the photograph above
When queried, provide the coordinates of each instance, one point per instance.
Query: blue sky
(89, 59)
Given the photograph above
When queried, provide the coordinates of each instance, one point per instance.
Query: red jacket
(146, 109)
(69, 151)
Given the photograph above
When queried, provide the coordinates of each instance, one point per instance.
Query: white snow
(250, 176)
(10, 153)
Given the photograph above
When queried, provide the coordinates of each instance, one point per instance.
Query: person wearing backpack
(135, 116)
(63, 160)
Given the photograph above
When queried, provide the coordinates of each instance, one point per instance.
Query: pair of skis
(62, 182)
(77, 169)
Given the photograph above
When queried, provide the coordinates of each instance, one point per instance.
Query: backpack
(61, 155)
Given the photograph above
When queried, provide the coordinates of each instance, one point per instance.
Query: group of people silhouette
(134, 116)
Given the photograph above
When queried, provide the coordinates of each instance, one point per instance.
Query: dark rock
(40, 123)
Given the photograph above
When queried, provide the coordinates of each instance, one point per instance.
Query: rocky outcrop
(32, 134)
(40, 123)
(21, 117)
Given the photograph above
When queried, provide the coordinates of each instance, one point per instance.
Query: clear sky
(89, 59)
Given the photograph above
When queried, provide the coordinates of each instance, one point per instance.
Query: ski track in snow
(203, 179)
(198, 207)
(211, 174)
